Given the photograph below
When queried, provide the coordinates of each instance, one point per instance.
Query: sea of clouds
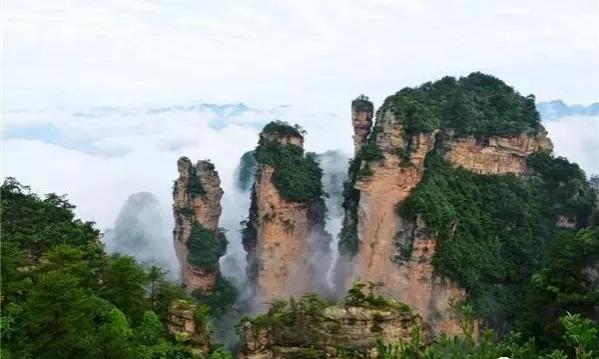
(101, 156)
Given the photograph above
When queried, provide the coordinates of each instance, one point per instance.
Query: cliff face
(282, 249)
(306, 330)
(497, 155)
(197, 194)
(286, 234)
(381, 231)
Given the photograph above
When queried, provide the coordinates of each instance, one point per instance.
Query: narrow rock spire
(361, 112)
(199, 242)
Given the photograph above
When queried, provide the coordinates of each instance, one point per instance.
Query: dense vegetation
(282, 128)
(494, 230)
(63, 297)
(571, 194)
(205, 247)
(579, 340)
(477, 104)
(566, 282)
(220, 299)
(296, 176)
(520, 246)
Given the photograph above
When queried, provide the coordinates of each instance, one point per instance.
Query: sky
(100, 98)
(65, 53)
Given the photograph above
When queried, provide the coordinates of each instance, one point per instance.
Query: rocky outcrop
(287, 245)
(183, 323)
(410, 277)
(197, 194)
(330, 332)
(361, 112)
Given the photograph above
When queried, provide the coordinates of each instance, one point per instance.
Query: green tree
(123, 283)
(150, 331)
(57, 316)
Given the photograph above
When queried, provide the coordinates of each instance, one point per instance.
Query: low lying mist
(141, 231)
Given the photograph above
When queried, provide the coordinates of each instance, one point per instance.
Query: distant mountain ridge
(552, 110)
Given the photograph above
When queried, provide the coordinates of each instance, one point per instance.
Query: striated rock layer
(381, 231)
(197, 194)
(333, 332)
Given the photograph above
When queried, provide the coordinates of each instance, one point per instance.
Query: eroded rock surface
(331, 332)
(197, 194)
(362, 110)
(182, 324)
(288, 251)
(381, 230)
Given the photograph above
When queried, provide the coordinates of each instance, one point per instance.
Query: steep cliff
(310, 328)
(284, 233)
(199, 243)
(361, 111)
(443, 204)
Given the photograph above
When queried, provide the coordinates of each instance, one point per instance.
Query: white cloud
(99, 157)
(65, 56)
(577, 138)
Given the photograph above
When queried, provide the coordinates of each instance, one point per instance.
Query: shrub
(220, 299)
(205, 247)
(296, 176)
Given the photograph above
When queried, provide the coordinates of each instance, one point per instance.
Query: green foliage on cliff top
(493, 230)
(296, 176)
(282, 128)
(205, 247)
(477, 104)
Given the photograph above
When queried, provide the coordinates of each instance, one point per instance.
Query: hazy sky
(80, 76)
(318, 54)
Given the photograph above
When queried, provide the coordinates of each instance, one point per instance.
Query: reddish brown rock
(496, 155)
(412, 280)
(288, 235)
(183, 324)
(282, 248)
(197, 194)
(362, 110)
